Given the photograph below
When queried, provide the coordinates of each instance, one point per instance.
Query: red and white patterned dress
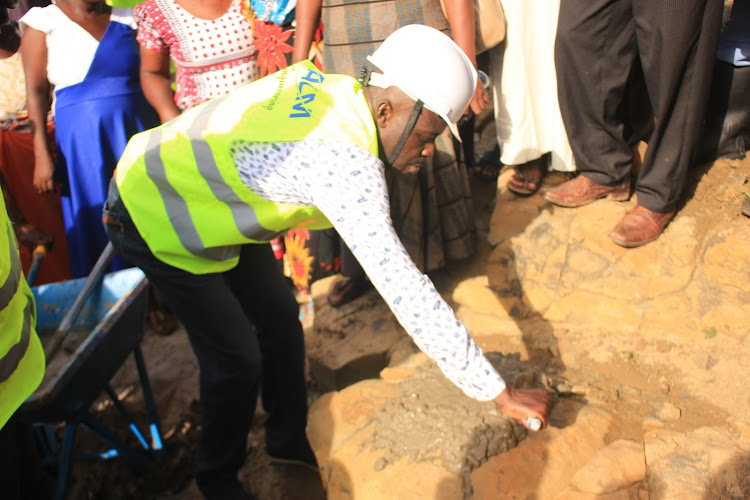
(211, 57)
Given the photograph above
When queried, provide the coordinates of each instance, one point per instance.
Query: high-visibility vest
(181, 186)
(21, 353)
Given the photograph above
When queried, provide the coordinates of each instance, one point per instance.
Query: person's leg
(228, 352)
(726, 133)
(594, 53)
(677, 42)
(269, 303)
(21, 472)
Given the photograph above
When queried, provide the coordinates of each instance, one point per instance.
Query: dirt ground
(173, 373)
(714, 193)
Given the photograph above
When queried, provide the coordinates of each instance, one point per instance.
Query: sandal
(488, 166)
(528, 177)
(347, 290)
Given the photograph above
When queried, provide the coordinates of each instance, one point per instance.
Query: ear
(384, 113)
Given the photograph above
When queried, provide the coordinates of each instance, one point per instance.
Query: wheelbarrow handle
(92, 280)
(37, 257)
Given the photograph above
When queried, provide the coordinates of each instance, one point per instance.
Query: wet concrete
(431, 420)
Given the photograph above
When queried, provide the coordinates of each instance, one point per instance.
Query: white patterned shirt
(347, 184)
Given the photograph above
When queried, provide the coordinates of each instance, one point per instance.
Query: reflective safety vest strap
(175, 204)
(10, 360)
(9, 288)
(243, 214)
(13, 357)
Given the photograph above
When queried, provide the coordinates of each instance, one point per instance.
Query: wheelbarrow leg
(125, 413)
(148, 397)
(138, 460)
(65, 462)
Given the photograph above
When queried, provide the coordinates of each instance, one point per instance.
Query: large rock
(411, 437)
(543, 465)
(564, 268)
(352, 342)
(613, 468)
(705, 463)
(337, 416)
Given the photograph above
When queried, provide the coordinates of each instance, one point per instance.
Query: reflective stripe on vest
(243, 214)
(9, 362)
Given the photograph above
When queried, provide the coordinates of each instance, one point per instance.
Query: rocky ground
(645, 351)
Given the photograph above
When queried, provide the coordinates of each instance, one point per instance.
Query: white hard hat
(427, 65)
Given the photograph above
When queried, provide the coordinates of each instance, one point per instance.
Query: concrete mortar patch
(432, 420)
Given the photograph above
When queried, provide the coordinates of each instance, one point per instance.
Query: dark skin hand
(27, 234)
(31, 236)
(520, 404)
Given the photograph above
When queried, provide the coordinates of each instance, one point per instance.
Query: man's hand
(520, 404)
(31, 236)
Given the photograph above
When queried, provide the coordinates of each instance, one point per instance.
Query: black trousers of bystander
(598, 46)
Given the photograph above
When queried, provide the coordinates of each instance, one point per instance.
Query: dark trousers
(599, 44)
(244, 329)
(21, 474)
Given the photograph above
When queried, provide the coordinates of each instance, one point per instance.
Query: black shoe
(224, 490)
(301, 455)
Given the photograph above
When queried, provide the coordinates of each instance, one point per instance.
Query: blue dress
(94, 121)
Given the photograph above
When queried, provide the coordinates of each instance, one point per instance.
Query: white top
(70, 48)
(347, 184)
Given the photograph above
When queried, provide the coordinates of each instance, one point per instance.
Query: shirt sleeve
(348, 186)
(38, 19)
(151, 22)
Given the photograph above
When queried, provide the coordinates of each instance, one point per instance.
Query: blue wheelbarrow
(106, 315)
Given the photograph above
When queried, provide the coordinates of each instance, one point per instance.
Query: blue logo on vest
(313, 79)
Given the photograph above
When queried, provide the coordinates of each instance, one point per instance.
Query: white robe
(527, 112)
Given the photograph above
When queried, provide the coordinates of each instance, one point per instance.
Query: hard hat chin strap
(415, 112)
(368, 77)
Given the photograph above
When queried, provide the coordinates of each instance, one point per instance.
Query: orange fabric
(43, 210)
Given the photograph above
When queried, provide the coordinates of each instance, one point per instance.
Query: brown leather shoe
(639, 226)
(580, 191)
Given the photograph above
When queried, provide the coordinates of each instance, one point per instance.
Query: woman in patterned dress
(209, 43)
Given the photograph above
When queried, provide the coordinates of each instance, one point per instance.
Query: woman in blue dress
(88, 52)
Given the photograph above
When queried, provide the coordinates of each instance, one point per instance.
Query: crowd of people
(190, 133)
